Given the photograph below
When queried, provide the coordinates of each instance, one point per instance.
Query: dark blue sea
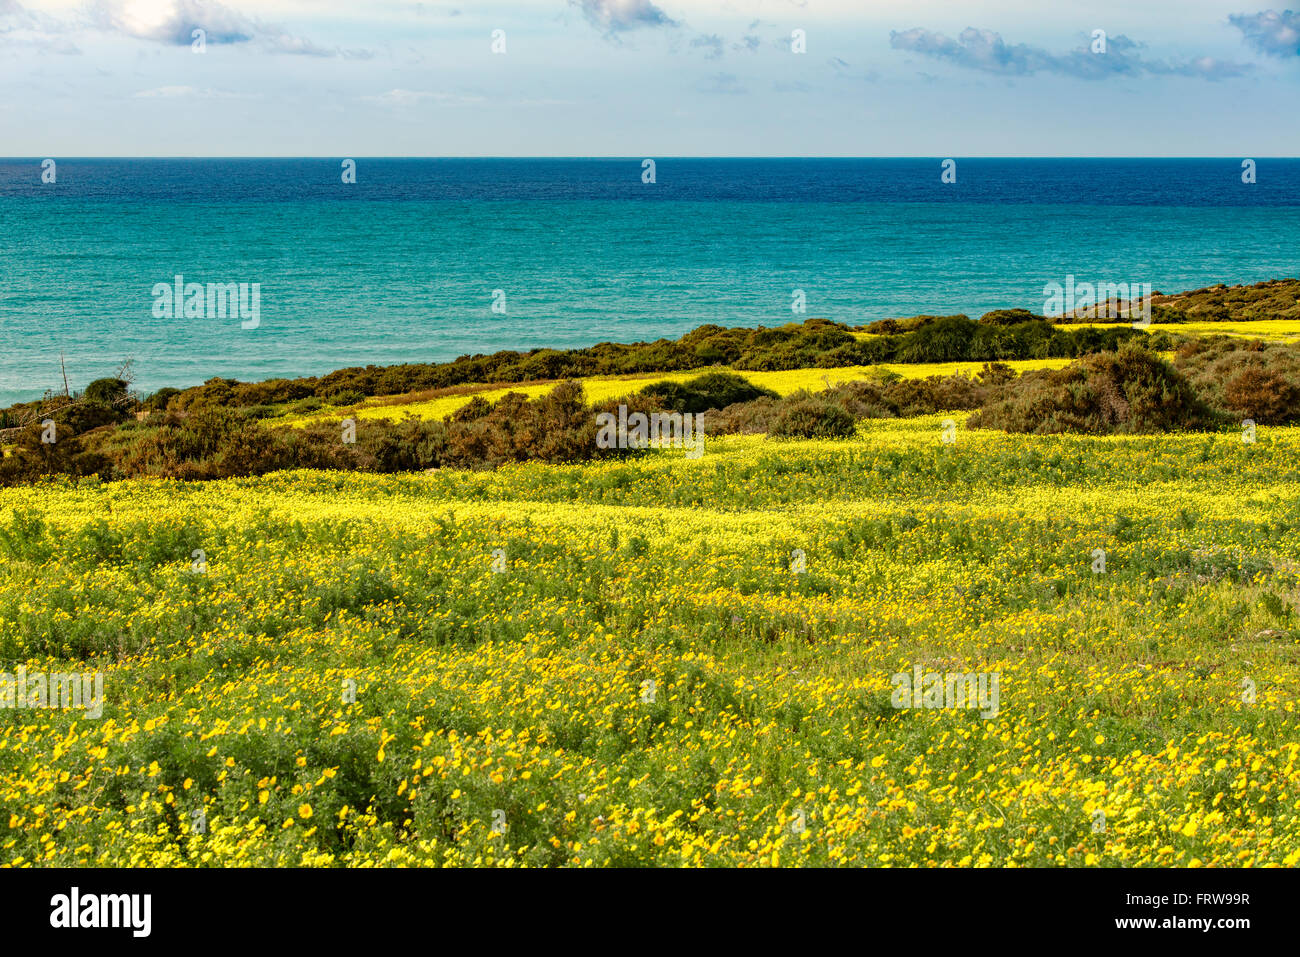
(408, 263)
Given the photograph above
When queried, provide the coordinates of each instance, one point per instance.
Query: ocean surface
(403, 264)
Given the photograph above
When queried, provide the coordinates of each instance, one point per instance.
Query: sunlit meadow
(638, 676)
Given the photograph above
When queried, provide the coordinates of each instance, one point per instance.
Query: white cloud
(1270, 32)
(173, 22)
(986, 51)
(615, 16)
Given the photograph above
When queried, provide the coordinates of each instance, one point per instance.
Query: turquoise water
(384, 276)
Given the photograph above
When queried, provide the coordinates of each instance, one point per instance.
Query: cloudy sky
(647, 77)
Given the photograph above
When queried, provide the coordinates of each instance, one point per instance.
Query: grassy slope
(525, 692)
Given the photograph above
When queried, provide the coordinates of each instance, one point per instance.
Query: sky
(647, 78)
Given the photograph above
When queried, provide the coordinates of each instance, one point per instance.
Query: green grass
(525, 692)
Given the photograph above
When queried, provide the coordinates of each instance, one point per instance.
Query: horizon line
(636, 156)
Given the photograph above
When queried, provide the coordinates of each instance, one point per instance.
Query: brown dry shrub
(746, 418)
(1127, 391)
(1246, 379)
(911, 397)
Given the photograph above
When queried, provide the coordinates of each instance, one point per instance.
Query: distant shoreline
(708, 345)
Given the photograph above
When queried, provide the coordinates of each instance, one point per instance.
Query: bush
(1128, 391)
(893, 327)
(158, 401)
(407, 446)
(208, 443)
(303, 406)
(344, 397)
(1247, 380)
(476, 408)
(1009, 317)
(911, 397)
(945, 340)
(714, 390)
(78, 418)
(111, 392)
(808, 416)
(747, 418)
(1262, 394)
(865, 399)
(272, 392)
(1274, 299)
(558, 427)
(996, 374)
(31, 458)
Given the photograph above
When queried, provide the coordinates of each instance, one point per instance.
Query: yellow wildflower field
(1273, 330)
(600, 388)
(658, 660)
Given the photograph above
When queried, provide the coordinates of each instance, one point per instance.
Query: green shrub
(713, 390)
(945, 340)
(31, 458)
(476, 408)
(813, 417)
(893, 327)
(158, 401)
(1009, 317)
(303, 406)
(344, 397)
(996, 374)
(107, 392)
